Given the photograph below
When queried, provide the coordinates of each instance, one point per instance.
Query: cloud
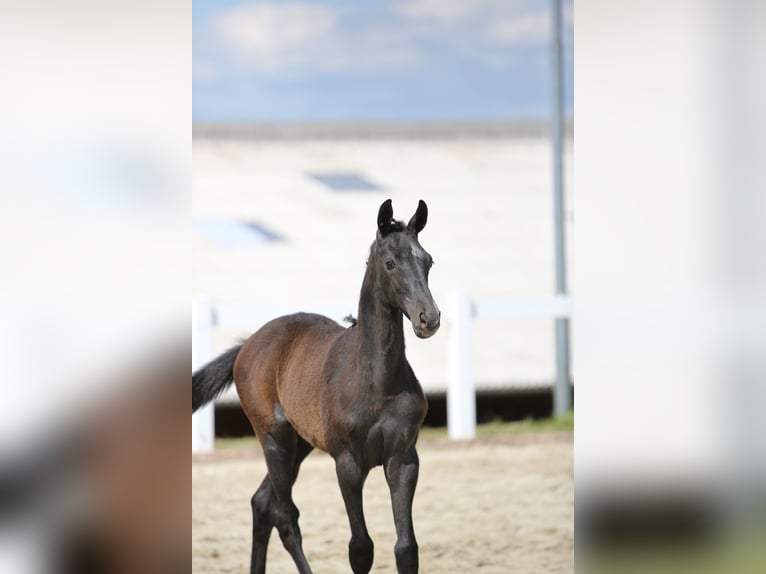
(312, 38)
(272, 36)
(461, 11)
(513, 23)
(276, 37)
(446, 11)
(528, 29)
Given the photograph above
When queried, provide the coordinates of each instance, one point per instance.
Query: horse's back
(279, 372)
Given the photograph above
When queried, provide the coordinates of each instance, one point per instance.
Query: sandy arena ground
(497, 505)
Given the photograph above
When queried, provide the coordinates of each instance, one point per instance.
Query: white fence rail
(459, 315)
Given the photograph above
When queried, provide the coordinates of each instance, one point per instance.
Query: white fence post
(203, 421)
(461, 395)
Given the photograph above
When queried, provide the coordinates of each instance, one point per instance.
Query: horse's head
(402, 268)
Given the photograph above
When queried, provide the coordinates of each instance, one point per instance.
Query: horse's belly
(300, 383)
(301, 402)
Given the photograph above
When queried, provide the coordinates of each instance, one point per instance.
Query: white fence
(458, 315)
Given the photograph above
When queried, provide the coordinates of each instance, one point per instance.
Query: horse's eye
(390, 264)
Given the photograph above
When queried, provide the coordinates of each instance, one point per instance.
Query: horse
(306, 382)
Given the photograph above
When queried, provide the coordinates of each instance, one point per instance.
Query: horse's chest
(394, 431)
(406, 409)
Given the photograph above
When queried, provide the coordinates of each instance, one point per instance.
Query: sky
(375, 60)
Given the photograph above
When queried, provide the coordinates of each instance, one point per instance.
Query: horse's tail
(213, 379)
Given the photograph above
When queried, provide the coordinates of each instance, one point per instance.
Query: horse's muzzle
(428, 323)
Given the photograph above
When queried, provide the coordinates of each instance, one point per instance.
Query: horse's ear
(385, 215)
(418, 221)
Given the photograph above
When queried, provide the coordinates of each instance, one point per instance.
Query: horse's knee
(259, 503)
(406, 552)
(262, 504)
(361, 552)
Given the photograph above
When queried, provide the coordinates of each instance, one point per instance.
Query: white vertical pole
(562, 398)
(461, 396)
(203, 421)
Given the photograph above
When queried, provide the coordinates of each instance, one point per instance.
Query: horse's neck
(380, 344)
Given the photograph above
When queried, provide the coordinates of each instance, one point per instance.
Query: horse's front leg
(351, 478)
(402, 476)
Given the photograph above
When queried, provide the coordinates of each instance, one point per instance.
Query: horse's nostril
(423, 319)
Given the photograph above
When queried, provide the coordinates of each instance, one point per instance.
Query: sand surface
(496, 505)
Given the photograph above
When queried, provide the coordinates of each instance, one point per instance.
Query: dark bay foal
(305, 382)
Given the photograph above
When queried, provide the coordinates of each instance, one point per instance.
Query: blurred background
(307, 116)
(95, 161)
(670, 330)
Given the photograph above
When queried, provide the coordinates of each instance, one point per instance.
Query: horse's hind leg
(264, 508)
(284, 450)
(261, 504)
